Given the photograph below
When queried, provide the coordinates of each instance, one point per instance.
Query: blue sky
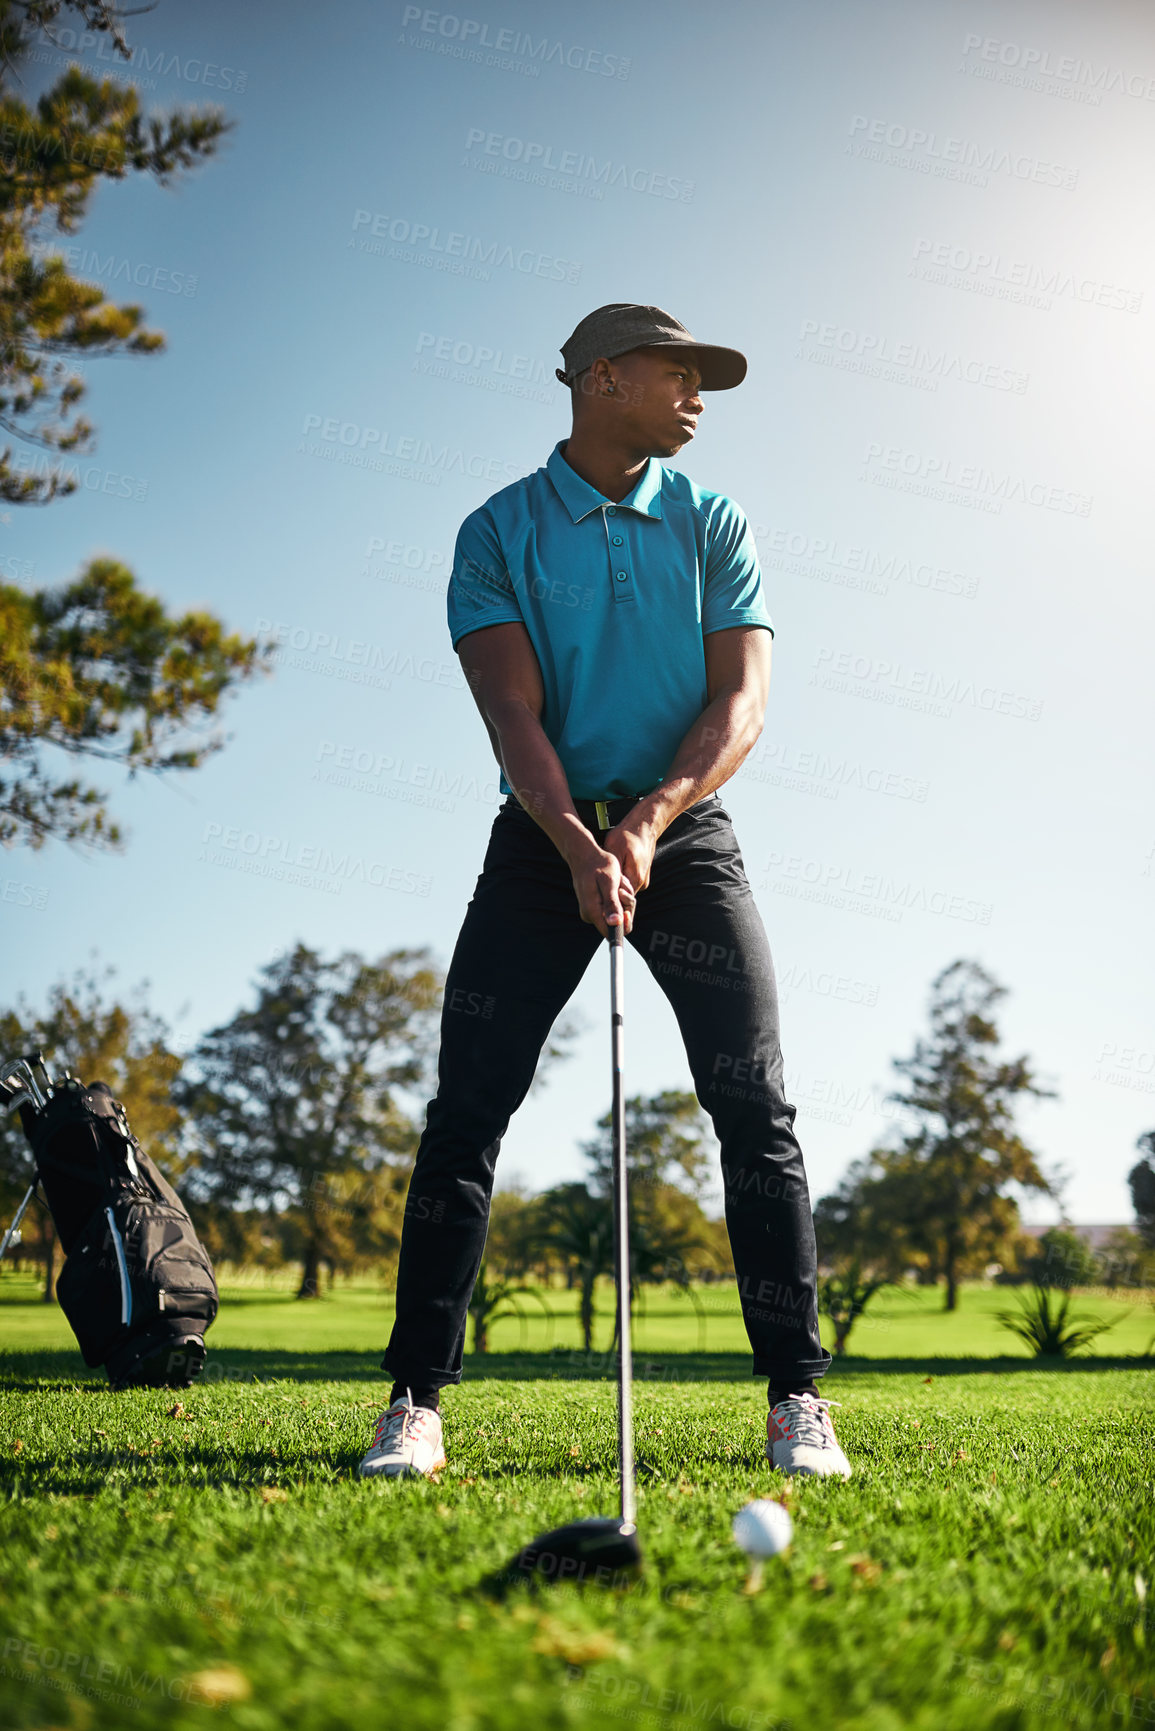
(930, 230)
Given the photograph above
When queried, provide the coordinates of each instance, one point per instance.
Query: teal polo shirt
(617, 599)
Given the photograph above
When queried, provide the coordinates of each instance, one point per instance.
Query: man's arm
(503, 674)
(737, 686)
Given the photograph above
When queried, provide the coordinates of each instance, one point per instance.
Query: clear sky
(929, 228)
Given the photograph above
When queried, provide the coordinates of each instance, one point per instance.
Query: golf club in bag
(601, 1548)
(137, 1285)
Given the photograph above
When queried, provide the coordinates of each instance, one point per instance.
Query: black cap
(621, 326)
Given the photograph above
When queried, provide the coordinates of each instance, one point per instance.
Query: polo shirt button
(611, 510)
(617, 540)
(621, 576)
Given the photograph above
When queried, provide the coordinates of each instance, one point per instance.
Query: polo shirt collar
(579, 498)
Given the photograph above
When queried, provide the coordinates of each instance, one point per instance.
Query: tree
(666, 1138)
(861, 1246)
(860, 1223)
(1062, 1258)
(668, 1229)
(1124, 1258)
(844, 1295)
(95, 668)
(950, 1174)
(98, 669)
(82, 131)
(511, 1243)
(98, 1040)
(578, 1226)
(492, 1300)
(1141, 1180)
(298, 1098)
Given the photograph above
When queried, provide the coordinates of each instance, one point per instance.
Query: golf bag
(137, 1285)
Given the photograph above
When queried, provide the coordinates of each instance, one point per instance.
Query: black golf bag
(137, 1285)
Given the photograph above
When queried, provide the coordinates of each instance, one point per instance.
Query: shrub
(1044, 1323)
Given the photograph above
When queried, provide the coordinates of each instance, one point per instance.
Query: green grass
(979, 1570)
(899, 1324)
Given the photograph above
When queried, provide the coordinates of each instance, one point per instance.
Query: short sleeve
(733, 578)
(480, 587)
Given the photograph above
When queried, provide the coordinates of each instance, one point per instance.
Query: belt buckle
(601, 810)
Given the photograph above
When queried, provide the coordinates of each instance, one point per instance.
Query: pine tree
(94, 668)
(947, 1181)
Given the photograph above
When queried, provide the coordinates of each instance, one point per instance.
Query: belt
(603, 814)
(596, 814)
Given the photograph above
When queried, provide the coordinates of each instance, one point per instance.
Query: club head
(600, 1550)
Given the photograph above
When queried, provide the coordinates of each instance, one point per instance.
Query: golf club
(19, 1087)
(601, 1548)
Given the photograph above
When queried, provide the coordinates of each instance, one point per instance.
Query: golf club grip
(621, 1231)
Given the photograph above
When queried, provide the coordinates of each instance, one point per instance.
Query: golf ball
(763, 1528)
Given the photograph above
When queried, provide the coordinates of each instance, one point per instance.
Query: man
(608, 614)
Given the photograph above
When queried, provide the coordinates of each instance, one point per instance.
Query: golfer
(609, 618)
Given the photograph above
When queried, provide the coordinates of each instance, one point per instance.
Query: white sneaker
(407, 1442)
(800, 1437)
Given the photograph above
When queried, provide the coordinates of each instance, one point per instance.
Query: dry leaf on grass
(220, 1685)
(866, 1569)
(576, 1646)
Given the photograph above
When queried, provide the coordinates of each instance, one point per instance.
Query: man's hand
(632, 843)
(605, 894)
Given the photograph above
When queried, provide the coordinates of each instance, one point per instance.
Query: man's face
(657, 392)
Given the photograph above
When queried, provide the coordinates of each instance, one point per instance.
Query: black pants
(520, 955)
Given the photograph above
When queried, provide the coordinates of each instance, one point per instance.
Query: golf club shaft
(622, 1232)
(19, 1217)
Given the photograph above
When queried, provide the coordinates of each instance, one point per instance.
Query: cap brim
(721, 369)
